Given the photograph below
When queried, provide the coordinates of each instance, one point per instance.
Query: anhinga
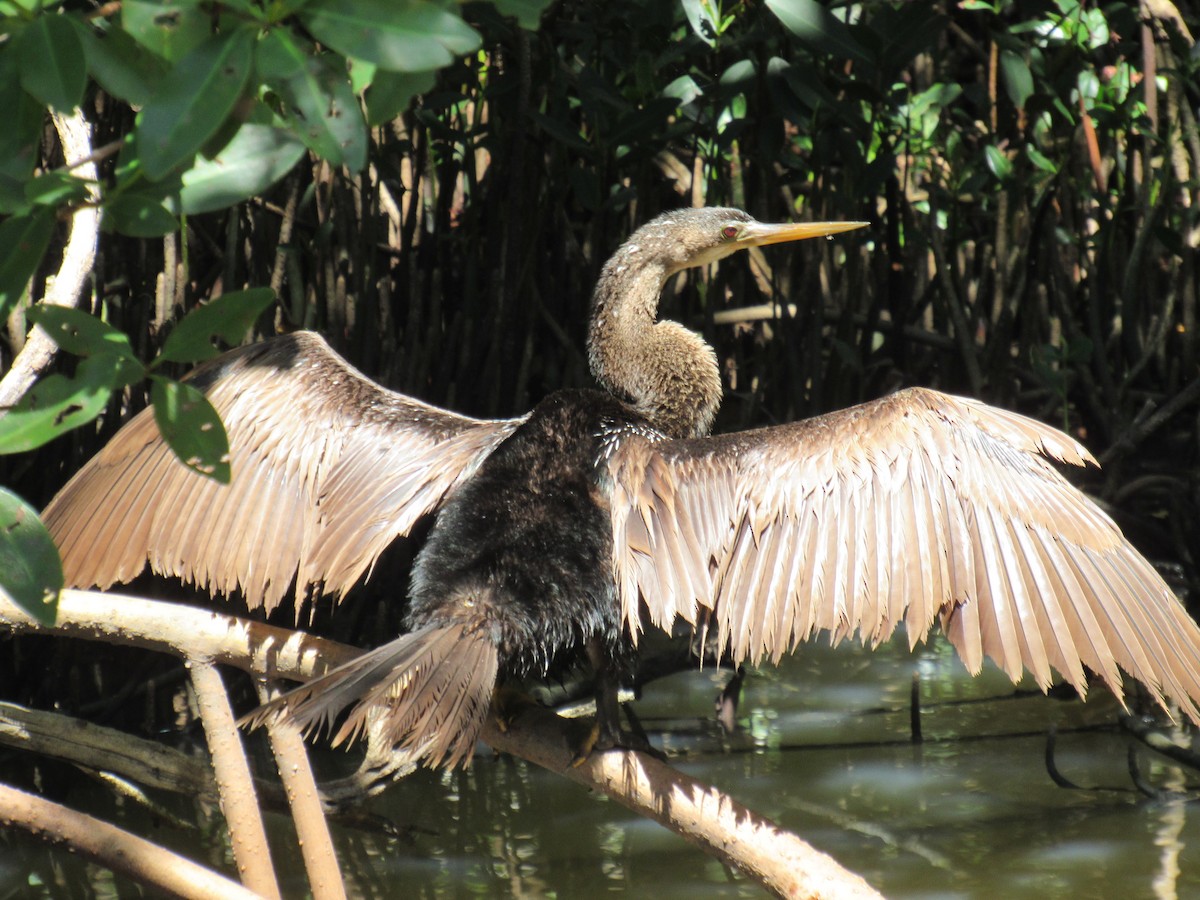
(564, 532)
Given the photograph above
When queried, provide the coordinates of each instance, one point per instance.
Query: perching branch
(777, 859)
(704, 815)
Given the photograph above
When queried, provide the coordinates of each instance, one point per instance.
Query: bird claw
(604, 736)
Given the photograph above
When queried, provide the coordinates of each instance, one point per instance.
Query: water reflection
(824, 749)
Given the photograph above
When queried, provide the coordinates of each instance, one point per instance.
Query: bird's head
(695, 237)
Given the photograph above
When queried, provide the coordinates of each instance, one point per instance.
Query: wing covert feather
(328, 469)
(916, 508)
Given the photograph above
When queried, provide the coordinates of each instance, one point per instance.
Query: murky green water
(824, 751)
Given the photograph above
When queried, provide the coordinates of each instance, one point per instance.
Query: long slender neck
(668, 374)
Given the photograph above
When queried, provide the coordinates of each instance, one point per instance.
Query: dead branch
(104, 749)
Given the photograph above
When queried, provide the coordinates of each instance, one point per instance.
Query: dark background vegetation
(1030, 170)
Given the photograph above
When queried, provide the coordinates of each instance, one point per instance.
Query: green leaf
(362, 74)
(80, 333)
(56, 189)
(1040, 160)
(168, 28)
(122, 66)
(21, 136)
(57, 404)
(191, 427)
(1000, 165)
(139, 215)
(390, 93)
(227, 318)
(31, 572)
(1018, 80)
(701, 16)
(398, 35)
(528, 13)
(818, 28)
(684, 89)
(255, 159)
(52, 62)
(321, 106)
(23, 240)
(193, 101)
(12, 196)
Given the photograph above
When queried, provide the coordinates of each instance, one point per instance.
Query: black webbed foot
(603, 736)
(608, 733)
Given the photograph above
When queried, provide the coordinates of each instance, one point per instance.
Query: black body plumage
(524, 549)
(515, 580)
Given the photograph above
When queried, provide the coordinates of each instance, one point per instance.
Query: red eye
(729, 232)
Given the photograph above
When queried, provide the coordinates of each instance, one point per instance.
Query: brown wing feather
(915, 508)
(328, 469)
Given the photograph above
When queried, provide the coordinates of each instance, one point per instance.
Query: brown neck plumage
(668, 374)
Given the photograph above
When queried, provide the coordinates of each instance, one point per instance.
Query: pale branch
(312, 828)
(78, 260)
(700, 813)
(115, 849)
(775, 858)
(239, 801)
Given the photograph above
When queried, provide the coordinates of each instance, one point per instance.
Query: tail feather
(430, 691)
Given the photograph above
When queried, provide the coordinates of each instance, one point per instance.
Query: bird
(561, 536)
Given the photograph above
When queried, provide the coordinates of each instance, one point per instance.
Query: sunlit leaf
(122, 66)
(398, 35)
(999, 164)
(193, 101)
(1040, 160)
(58, 403)
(191, 427)
(255, 159)
(79, 332)
(701, 16)
(23, 240)
(31, 572)
(226, 318)
(55, 188)
(362, 74)
(818, 28)
(52, 62)
(168, 28)
(738, 76)
(684, 89)
(320, 102)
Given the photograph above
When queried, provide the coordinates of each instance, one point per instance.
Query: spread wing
(912, 508)
(328, 468)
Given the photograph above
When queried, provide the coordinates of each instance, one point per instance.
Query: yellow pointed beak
(756, 234)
